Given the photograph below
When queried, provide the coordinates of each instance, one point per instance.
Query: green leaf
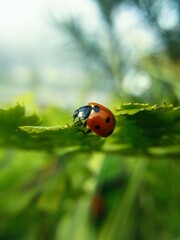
(132, 108)
(10, 120)
(140, 129)
(146, 129)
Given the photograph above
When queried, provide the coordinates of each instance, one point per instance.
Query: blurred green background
(58, 55)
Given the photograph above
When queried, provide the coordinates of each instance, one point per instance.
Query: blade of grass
(117, 225)
(75, 224)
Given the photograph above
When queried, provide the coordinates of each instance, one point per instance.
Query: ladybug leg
(78, 123)
(81, 123)
(87, 132)
(84, 124)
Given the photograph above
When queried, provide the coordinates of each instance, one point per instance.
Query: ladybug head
(82, 113)
(75, 114)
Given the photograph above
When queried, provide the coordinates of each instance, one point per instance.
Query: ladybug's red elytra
(98, 118)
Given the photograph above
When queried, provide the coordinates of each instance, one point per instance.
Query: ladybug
(98, 118)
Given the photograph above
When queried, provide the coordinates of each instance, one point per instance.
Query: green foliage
(148, 128)
(10, 120)
(140, 128)
(47, 192)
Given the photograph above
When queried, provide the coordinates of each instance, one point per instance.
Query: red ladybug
(98, 118)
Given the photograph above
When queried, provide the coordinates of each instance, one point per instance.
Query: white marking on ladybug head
(80, 115)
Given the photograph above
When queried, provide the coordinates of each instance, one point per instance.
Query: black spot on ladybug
(97, 127)
(96, 108)
(108, 119)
